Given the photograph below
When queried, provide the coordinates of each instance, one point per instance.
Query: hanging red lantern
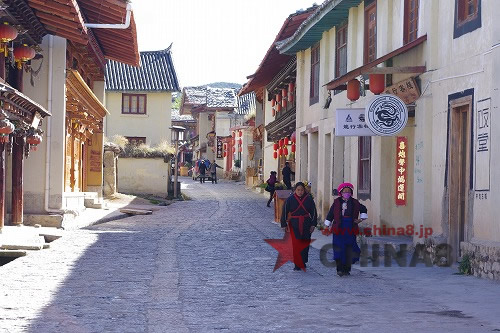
(278, 107)
(285, 141)
(34, 139)
(285, 151)
(281, 142)
(275, 155)
(225, 146)
(281, 151)
(22, 54)
(377, 83)
(240, 142)
(240, 133)
(7, 33)
(240, 149)
(293, 137)
(353, 90)
(273, 102)
(278, 99)
(233, 142)
(291, 90)
(275, 146)
(6, 127)
(284, 103)
(293, 148)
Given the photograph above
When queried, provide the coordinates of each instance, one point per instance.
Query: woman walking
(300, 218)
(271, 182)
(344, 213)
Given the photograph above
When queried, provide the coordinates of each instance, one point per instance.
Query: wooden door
(68, 163)
(459, 174)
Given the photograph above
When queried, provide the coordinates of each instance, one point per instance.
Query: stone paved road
(203, 266)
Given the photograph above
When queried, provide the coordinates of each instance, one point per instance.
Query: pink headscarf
(344, 185)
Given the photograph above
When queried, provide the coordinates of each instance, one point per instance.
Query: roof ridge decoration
(329, 14)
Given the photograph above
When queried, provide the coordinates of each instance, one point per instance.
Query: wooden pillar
(2, 185)
(17, 180)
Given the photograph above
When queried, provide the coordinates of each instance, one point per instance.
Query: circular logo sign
(386, 115)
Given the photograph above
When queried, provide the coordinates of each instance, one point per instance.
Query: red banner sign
(401, 170)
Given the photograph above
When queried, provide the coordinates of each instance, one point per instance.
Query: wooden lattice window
(370, 32)
(411, 20)
(314, 92)
(134, 103)
(341, 51)
(364, 169)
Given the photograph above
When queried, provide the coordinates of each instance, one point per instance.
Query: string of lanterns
(281, 147)
(377, 86)
(280, 101)
(22, 53)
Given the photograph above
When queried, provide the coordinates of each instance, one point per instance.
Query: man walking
(213, 171)
(202, 168)
(287, 172)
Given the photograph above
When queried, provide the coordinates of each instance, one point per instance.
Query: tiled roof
(195, 95)
(246, 104)
(221, 98)
(176, 116)
(156, 73)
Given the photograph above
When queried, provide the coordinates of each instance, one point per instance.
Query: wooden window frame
(363, 157)
(129, 96)
(339, 45)
(366, 52)
(314, 82)
(411, 35)
(466, 20)
(136, 138)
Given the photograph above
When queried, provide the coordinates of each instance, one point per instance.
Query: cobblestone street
(203, 266)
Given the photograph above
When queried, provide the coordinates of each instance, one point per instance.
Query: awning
(82, 104)
(20, 105)
(366, 68)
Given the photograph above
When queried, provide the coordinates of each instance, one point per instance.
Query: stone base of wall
(437, 249)
(484, 257)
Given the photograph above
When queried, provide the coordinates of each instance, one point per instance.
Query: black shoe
(340, 273)
(268, 205)
(296, 268)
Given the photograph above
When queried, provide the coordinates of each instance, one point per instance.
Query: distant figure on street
(202, 168)
(287, 172)
(213, 171)
(271, 182)
(299, 217)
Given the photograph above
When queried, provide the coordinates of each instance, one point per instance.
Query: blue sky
(213, 40)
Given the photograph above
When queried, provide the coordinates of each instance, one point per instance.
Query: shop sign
(386, 115)
(407, 90)
(401, 170)
(351, 122)
(220, 148)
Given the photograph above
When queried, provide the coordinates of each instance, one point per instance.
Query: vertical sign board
(401, 170)
(482, 147)
(220, 152)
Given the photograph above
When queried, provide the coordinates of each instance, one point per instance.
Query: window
(314, 93)
(370, 32)
(134, 104)
(411, 20)
(136, 140)
(341, 53)
(364, 170)
(467, 16)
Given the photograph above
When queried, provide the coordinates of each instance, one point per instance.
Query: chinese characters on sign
(482, 151)
(401, 170)
(351, 122)
(220, 152)
(407, 90)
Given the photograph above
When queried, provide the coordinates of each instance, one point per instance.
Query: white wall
(143, 176)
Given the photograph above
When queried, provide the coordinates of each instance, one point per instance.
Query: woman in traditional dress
(299, 217)
(344, 213)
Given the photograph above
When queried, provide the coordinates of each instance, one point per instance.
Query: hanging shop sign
(401, 170)
(407, 90)
(351, 122)
(251, 151)
(211, 139)
(386, 115)
(220, 147)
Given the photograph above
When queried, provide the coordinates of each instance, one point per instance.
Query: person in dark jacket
(343, 218)
(287, 173)
(213, 171)
(271, 182)
(202, 167)
(299, 216)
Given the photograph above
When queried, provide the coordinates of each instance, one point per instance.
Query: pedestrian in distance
(299, 217)
(213, 171)
(287, 173)
(343, 220)
(271, 182)
(202, 168)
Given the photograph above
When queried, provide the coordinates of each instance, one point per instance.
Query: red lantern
(34, 139)
(293, 137)
(273, 102)
(377, 83)
(278, 107)
(275, 146)
(275, 155)
(6, 127)
(225, 146)
(283, 103)
(233, 142)
(240, 133)
(286, 141)
(240, 142)
(225, 154)
(353, 90)
(291, 89)
(293, 148)
(278, 99)
(22, 54)
(281, 151)
(7, 33)
(285, 151)
(281, 142)
(284, 94)
(240, 149)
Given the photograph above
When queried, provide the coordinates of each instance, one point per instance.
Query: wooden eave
(19, 106)
(26, 17)
(368, 68)
(80, 95)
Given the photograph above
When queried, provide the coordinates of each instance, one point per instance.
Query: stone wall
(484, 257)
